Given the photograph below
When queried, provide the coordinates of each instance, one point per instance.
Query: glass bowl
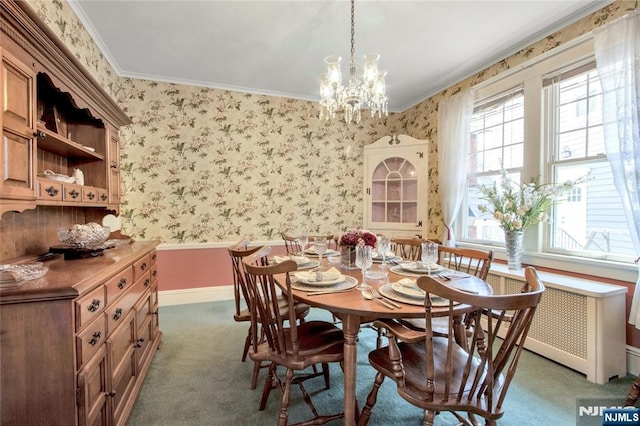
(26, 271)
(84, 236)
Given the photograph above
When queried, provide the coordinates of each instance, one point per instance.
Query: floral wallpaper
(207, 165)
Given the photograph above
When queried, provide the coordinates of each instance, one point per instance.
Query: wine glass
(364, 261)
(384, 245)
(303, 240)
(429, 254)
(320, 246)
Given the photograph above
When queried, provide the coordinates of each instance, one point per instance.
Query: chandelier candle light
(370, 92)
(516, 207)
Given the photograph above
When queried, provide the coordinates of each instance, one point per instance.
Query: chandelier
(368, 93)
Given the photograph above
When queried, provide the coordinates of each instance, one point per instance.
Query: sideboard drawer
(141, 267)
(91, 340)
(89, 307)
(49, 190)
(119, 284)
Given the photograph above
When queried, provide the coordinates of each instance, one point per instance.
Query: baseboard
(633, 360)
(195, 295)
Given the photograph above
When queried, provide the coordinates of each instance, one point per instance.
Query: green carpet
(197, 378)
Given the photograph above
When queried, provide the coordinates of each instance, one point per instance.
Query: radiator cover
(579, 323)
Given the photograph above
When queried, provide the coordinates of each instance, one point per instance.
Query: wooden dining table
(353, 310)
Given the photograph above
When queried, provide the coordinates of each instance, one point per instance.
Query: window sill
(593, 268)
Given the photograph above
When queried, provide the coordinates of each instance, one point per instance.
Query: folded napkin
(416, 265)
(328, 275)
(408, 282)
(298, 259)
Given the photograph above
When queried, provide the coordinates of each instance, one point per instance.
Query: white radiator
(578, 323)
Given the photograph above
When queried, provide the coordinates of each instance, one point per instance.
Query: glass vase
(513, 246)
(348, 257)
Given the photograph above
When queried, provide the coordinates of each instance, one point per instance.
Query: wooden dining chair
(407, 248)
(294, 347)
(436, 374)
(470, 261)
(291, 244)
(242, 313)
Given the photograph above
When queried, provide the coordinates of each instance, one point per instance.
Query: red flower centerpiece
(348, 242)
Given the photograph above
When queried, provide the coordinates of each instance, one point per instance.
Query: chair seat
(413, 360)
(315, 339)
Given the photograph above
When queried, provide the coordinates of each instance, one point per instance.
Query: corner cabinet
(396, 186)
(57, 122)
(78, 342)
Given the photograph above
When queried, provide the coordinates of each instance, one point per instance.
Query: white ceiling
(277, 47)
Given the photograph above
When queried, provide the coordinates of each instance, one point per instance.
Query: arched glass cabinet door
(396, 187)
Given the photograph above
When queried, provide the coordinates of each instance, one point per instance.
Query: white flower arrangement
(516, 207)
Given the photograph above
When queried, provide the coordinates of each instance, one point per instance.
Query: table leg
(350, 328)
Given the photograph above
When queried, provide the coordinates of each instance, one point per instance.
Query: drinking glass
(429, 254)
(364, 261)
(320, 245)
(303, 240)
(384, 245)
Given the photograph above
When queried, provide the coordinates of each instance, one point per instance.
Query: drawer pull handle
(91, 195)
(94, 306)
(140, 342)
(153, 256)
(117, 314)
(154, 313)
(122, 283)
(103, 197)
(74, 194)
(146, 282)
(51, 191)
(94, 339)
(143, 266)
(155, 274)
(112, 393)
(40, 134)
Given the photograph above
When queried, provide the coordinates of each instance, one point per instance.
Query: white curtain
(454, 117)
(617, 48)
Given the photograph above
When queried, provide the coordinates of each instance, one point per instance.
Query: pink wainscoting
(180, 269)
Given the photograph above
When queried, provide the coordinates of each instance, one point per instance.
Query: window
(497, 140)
(590, 222)
(545, 119)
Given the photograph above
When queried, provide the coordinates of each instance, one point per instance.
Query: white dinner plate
(414, 292)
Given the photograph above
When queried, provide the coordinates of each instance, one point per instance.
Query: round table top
(352, 301)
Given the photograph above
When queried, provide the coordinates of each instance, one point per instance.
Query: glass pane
(393, 190)
(381, 171)
(378, 191)
(596, 141)
(572, 145)
(393, 212)
(409, 212)
(591, 220)
(410, 190)
(407, 171)
(394, 163)
(378, 212)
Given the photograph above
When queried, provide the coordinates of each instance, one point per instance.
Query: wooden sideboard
(76, 344)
